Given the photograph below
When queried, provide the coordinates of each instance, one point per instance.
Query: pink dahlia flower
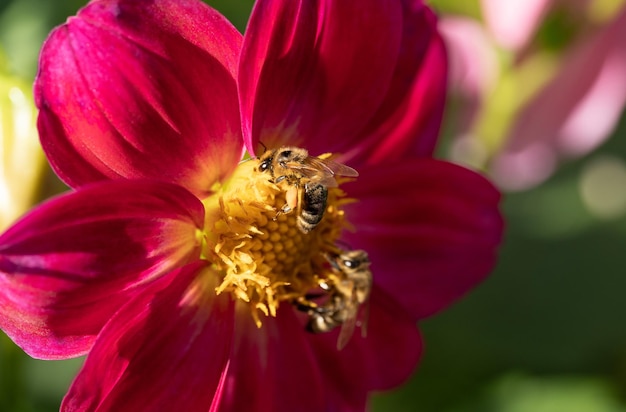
(175, 267)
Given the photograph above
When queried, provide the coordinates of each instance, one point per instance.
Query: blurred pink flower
(574, 112)
(142, 107)
(474, 67)
(513, 22)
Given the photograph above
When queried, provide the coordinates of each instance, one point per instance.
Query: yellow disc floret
(260, 252)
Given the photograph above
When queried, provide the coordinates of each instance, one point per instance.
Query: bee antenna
(345, 245)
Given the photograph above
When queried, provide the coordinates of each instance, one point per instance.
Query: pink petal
(141, 90)
(272, 368)
(383, 359)
(412, 128)
(67, 266)
(431, 229)
(474, 68)
(316, 72)
(573, 114)
(513, 22)
(473, 58)
(158, 353)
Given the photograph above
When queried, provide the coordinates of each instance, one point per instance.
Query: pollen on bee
(256, 247)
(291, 197)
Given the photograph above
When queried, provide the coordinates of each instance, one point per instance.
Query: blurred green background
(545, 333)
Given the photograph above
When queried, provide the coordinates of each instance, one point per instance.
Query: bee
(348, 291)
(308, 178)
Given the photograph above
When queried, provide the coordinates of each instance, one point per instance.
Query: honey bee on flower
(348, 289)
(308, 179)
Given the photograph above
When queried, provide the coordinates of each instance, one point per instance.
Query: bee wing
(333, 167)
(347, 327)
(313, 173)
(363, 318)
(322, 170)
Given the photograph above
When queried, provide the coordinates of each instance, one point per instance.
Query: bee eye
(264, 166)
(350, 264)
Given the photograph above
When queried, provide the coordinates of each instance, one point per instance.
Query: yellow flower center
(256, 245)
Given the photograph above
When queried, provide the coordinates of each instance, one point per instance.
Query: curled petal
(381, 360)
(431, 228)
(67, 266)
(160, 352)
(141, 90)
(313, 72)
(272, 368)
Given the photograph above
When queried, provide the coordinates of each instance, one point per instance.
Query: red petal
(272, 368)
(141, 90)
(408, 122)
(316, 72)
(431, 229)
(159, 353)
(383, 359)
(66, 267)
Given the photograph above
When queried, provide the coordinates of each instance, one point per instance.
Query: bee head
(351, 264)
(354, 259)
(265, 165)
(265, 160)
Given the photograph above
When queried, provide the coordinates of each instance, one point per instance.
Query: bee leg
(305, 304)
(291, 197)
(291, 201)
(325, 285)
(329, 283)
(321, 318)
(283, 211)
(319, 323)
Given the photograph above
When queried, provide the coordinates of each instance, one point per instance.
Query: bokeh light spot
(603, 187)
